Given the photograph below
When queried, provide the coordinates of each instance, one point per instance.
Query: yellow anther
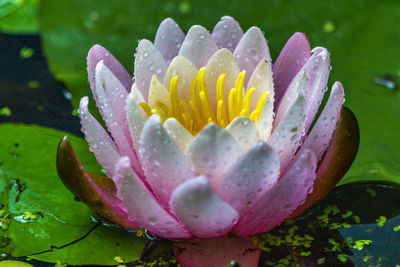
(146, 108)
(239, 91)
(198, 122)
(221, 113)
(173, 91)
(220, 87)
(247, 102)
(231, 104)
(193, 90)
(259, 107)
(164, 108)
(158, 112)
(198, 111)
(206, 107)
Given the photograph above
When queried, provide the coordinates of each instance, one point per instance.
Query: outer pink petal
(317, 70)
(321, 133)
(163, 162)
(141, 205)
(251, 49)
(293, 56)
(279, 202)
(213, 152)
(148, 62)
(100, 143)
(253, 175)
(287, 136)
(169, 39)
(198, 46)
(98, 53)
(217, 252)
(227, 33)
(112, 99)
(201, 210)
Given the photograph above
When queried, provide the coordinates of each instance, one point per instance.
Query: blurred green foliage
(19, 16)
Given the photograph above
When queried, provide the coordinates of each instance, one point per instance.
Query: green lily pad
(19, 16)
(39, 217)
(363, 45)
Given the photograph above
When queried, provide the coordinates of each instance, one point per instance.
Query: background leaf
(361, 35)
(19, 16)
(40, 213)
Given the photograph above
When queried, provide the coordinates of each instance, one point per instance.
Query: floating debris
(5, 111)
(386, 80)
(33, 84)
(329, 27)
(26, 52)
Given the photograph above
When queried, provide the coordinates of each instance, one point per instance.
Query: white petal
(136, 115)
(264, 123)
(221, 62)
(169, 38)
(297, 87)
(186, 71)
(201, 210)
(261, 79)
(212, 152)
(244, 131)
(198, 46)
(251, 49)
(253, 175)
(158, 93)
(178, 133)
(286, 137)
(163, 162)
(148, 61)
(139, 202)
(100, 142)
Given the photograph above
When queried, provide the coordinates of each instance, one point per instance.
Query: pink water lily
(210, 137)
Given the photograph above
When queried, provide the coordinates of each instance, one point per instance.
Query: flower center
(199, 112)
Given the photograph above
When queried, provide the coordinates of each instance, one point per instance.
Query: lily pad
(363, 48)
(40, 218)
(19, 16)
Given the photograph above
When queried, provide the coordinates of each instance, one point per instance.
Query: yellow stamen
(204, 96)
(158, 112)
(146, 108)
(198, 112)
(164, 108)
(173, 91)
(247, 102)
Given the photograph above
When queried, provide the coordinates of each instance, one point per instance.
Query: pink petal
(148, 61)
(140, 204)
(98, 53)
(320, 135)
(293, 56)
(279, 202)
(169, 38)
(213, 152)
(198, 46)
(287, 135)
(201, 210)
(227, 33)
(251, 49)
(217, 252)
(111, 97)
(164, 164)
(317, 70)
(253, 175)
(100, 143)
(297, 87)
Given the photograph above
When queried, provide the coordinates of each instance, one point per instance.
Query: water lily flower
(211, 137)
